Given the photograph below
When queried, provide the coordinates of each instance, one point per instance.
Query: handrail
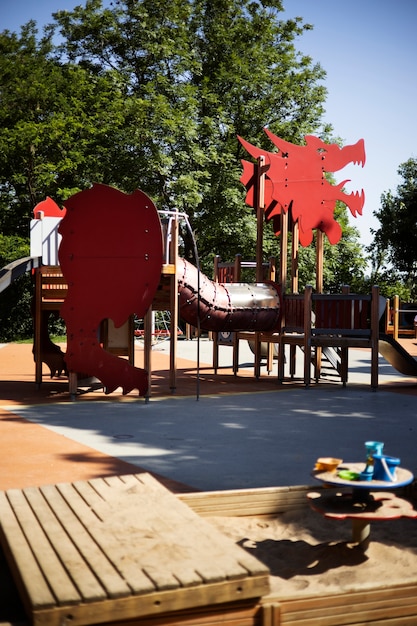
(330, 320)
(396, 330)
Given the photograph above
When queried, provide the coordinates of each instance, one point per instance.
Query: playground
(183, 448)
(232, 453)
(223, 393)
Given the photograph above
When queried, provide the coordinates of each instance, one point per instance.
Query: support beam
(319, 260)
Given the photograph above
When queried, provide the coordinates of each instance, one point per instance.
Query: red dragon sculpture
(111, 256)
(295, 180)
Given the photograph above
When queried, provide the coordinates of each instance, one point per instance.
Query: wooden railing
(392, 320)
(340, 321)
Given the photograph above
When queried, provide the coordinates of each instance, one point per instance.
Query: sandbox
(126, 550)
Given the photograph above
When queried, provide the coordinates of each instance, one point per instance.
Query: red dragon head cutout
(295, 177)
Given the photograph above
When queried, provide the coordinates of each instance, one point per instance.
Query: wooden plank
(246, 502)
(104, 570)
(246, 613)
(182, 521)
(335, 297)
(175, 533)
(352, 608)
(53, 571)
(71, 561)
(351, 614)
(29, 579)
(123, 547)
(168, 268)
(132, 577)
(400, 592)
(256, 502)
(341, 342)
(165, 602)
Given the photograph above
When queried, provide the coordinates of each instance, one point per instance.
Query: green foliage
(57, 127)
(344, 263)
(12, 247)
(15, 302)
(197, 74)
(152, 95)
(394, 252)
(15, 310)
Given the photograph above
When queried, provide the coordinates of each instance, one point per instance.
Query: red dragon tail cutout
(111, 257)
(295, 178)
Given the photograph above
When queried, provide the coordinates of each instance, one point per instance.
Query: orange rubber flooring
(32, 455)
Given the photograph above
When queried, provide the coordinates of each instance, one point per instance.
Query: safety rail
(392, 320)
(339, 321)
(350, 313)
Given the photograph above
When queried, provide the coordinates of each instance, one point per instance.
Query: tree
(394, 251)
(344, 263)
(58, 127)
(151, 94)
(15, 310)
(198, 74)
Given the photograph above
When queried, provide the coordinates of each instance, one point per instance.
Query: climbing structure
(114, 265)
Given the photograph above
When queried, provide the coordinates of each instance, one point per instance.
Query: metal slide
(226, 307)
(397, 356)
(13, 270)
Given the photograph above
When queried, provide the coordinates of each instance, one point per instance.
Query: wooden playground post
(259, 206)
(387, 316)
(259, 197)
(174, 307)
(392, 319)
(294, 257)
(283, 251)
(147, 342)
(375, 336)
(319, 260)
(396, 316)
(166, 299)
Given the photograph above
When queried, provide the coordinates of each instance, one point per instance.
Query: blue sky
(369, 51)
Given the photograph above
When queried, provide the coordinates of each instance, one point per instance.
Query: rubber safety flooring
(32, 455)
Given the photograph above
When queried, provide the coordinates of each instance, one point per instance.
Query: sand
(309, 555)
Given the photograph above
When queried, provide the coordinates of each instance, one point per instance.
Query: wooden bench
(346, 321)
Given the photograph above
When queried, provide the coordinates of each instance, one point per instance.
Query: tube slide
(226, 307)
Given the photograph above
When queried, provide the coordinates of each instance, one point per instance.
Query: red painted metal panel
(49, 208)
(111, 257)
(296, 182)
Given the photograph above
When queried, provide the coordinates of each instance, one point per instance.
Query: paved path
(240, 433)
